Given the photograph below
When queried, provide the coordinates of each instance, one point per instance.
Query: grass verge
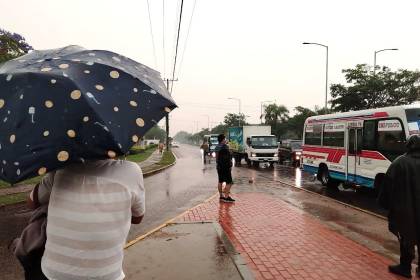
(142, 156)
(168, 158)
(13, 198)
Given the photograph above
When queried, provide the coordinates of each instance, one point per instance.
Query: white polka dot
(2, 102)
(86, 71)
(114, 74)
(71, 133)
(63, 66)
(12, 138)
(63, 156)
(85, 118)
(112, 154)
(65, 75)
(46, 133)
(167, 110)
(135, 138)
(49, 104)
(75, 94)
(133, 103)
(116, 109)
(9, 77)
(18, 172)
(135, 90)
(99, 87)
(53, 81)
(42, 171)
(140, 122)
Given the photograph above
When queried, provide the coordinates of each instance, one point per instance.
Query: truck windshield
(213, 140)
(267, 142)
(413, 119)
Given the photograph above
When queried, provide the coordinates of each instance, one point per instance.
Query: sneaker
(228, 199)
(400, 270)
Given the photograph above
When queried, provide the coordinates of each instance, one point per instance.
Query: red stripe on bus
(335, 155)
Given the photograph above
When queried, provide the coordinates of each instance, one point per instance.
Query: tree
(295, 124)
(365, 90)
(182, 137)
(275, 114)
(219, 129)
(156, 133)
(235, 119)
(12, 45)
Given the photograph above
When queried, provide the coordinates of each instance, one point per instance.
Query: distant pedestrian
(91, 207)
(224, 166)
(161, 146)
(400, 194)
(205, 148)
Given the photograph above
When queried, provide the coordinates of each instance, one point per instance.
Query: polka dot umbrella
(67, 105)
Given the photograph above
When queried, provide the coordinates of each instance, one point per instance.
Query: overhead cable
(151, 33)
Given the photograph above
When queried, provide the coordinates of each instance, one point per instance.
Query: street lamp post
(374, 58)
(262, 102)
(326, 71)
(239, 102)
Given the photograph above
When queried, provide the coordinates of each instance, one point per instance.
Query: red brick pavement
(279, 241)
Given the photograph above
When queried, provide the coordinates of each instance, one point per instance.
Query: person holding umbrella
(67, 115)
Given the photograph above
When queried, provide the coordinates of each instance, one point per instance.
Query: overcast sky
(245, 49)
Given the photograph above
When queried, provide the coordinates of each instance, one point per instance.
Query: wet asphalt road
(189, 183)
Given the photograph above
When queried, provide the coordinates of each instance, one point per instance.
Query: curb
(236, 257)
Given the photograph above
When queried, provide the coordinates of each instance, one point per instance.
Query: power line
(163, 37)
(186, 40)
(151, 33)
(177, 42)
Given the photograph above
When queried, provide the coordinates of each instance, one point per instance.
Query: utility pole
(167, 115)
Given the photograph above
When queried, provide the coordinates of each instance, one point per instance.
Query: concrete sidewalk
(275, 240)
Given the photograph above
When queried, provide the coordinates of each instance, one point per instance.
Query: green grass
(13, 198)
(141, 156)
(31, 181)
(167, 158)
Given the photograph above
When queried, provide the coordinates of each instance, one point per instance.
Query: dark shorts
(225, 176)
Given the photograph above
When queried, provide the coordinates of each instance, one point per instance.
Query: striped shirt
(89, 217)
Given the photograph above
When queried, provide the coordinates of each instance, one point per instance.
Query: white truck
(254, 143)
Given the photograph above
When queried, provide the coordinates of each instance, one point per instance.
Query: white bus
(357, 147)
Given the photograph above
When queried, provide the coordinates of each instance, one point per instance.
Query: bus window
(391, 138)
(313, 134)
(334, 139)
(369, 132)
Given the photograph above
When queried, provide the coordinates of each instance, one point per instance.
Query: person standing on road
(205, 148)
(91, 207)
(224, 166)
(400, 194)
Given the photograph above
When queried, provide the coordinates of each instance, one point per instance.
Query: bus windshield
(413, 119)
(264, 142)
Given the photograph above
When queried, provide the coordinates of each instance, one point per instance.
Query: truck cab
(261, 148)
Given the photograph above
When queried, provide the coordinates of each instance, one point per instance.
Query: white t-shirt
(89, 217)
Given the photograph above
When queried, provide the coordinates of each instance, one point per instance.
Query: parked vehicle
(291, 151)
(253, 143)
(357, 147)
(211, 139)
(174, 144)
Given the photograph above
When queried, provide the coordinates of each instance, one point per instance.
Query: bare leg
(227, 190)
(220, 188)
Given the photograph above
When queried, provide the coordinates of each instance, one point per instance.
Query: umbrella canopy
(67, 105)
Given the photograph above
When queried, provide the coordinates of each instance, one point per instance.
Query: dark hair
(221, 137)
(413, 143)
